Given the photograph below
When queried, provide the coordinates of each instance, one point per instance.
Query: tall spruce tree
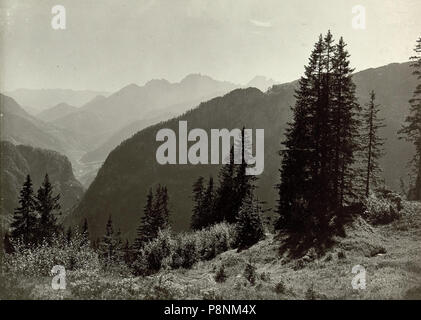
(249, 225)
(320, 142)
(110, 245)
(48, 207)
(346, 125)
(372, 147)
(85, 228)
(155, 216)
(411, 130)
(296, 185)
(209, 216)
(225, 207)
(224, 203)
(24, 224)
(119, 248)
(85, 231)
(162, 213)
(127, 252)
(198, 194)
(243, 183)
(69, 235)
(7, 244)
(144, 230)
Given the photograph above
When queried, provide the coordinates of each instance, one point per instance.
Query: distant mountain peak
(157, 83)
(261, 82)
(63, 105)
(98, 98)
(42, 99)
(60, 110)
(260, 77)
(195, 77)
(132, 86)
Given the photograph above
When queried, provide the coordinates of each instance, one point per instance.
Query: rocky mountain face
(18, 160)
(131, 169)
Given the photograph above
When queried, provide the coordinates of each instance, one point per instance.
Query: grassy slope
(395, 274)
(390, 255)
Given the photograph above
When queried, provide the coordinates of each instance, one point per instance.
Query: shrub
(250, 273)
(215, 240)
(383, 208)
(38, 260)
(328, 257)
(185, 252)
(86, 284)
(280, 288)
(341, 255)
(249, 225)
(221, 276)
(310, 293)
(265, 276)
(151, 256)
(162, 289)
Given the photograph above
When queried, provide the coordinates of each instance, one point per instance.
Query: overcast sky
(108, 43)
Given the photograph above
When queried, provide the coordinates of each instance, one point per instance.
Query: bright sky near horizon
(108, 44)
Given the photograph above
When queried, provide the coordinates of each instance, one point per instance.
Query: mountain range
(121, 185)
(18, 161)
(100, 118)
(261, 82)
(19, 127)
(94, 132)
(60, 110)
(91, 131)
(36, 100)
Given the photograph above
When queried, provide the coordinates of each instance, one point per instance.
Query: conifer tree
(372, 144)
(411, 130)
(346, 125)
(107, 246)
(316, 169)
(144, 230)
(161, 210)
(85, 231)
(155, 216)
(69, 235)
(198, 215)
(209, 217)
(225, 207)
(95, 243)
(249, 222)
(24, 224)
(110, 244)
(296, 185)
(243, 183)
(47, 206)
(7, 245)
(127, 252)
(234, 185)
(119, 252)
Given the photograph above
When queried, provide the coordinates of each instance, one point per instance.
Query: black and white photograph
(213, 150)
